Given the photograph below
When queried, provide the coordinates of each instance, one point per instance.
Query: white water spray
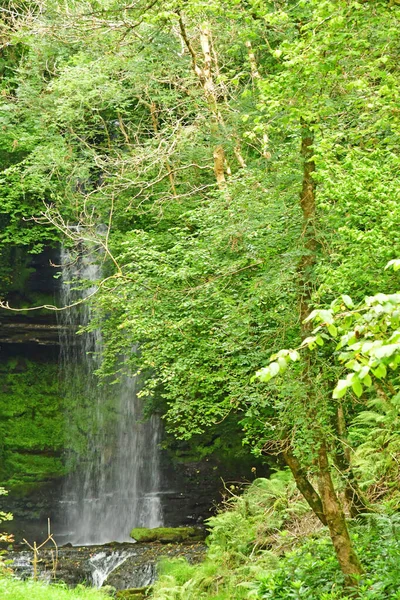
(115, 482)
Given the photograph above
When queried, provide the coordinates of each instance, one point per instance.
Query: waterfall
(112, 453)
(103, 563)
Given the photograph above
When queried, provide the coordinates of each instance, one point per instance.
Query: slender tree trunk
(219, 167)
(252, 60)
(354, 497)
(307, 205)
(304, 485)
(205, 76)
(346, 555)
(332, 510)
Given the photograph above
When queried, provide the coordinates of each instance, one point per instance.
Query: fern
(375, 432)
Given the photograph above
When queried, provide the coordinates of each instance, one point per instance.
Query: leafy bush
(375, 433)
(238, 560)
(248, 519)
(252, 557)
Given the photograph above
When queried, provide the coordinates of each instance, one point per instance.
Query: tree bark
(219, 167)
(304, 486)
(356, 502)
(346, 555)
(332, 510)
(307, 205)
(206, 79)
(252, 60)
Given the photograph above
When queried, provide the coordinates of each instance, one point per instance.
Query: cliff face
(28, 281)
(31, 407)
(33, 428)
(31, 424)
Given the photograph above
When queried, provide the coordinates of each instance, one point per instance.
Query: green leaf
(326, 316)
(274, 369)
(353, 364)
(311, 316)
(341, 388)
(333, 330)
(367, 380)
(363, 372)
(357, 387)
(348, 301)
(386, 351)
(282, 362)
(380, 371)
(263, 375)
(309, 341)
(395, 263)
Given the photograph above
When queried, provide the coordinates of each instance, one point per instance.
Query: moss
(167, 535)
(132, 594)
(31, 422)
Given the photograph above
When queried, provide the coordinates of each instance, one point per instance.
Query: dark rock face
(32, 430)
(23, 330)
(31, 507)
(194, 489)
(33, 284)
(191, 493)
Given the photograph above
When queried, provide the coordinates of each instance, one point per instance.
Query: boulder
(168, 535)
(132, 594)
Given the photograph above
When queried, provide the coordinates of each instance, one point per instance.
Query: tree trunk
(307, 204)
(348, 559)
(219, 167)
(207, 82)
(354, 497)
(332, 510)
(304, 486)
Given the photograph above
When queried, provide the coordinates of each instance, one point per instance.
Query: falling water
(104, 563)
(113, 453)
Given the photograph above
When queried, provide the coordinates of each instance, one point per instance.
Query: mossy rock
(132, 594)
(168, 535)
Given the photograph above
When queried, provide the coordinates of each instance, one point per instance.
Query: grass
(13, 589)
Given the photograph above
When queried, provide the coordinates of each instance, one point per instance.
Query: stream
(122, 566)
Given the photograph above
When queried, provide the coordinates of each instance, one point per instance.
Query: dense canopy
(233, 166)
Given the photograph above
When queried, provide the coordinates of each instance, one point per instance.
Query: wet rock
(140, 570)
(167, 535)
(132, 593)
(122, 566)
(135, 573)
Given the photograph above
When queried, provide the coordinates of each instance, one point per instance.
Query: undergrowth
(14, 589)
(265, 544)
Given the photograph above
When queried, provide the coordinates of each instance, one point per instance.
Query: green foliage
(239, 536)
(4, 516)
(13, 589)
(368, 341)
(206, 279)
(32, 421)
(238, 565)
(261, 510)
(311, 572)
(374, 435)
(107, 120)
